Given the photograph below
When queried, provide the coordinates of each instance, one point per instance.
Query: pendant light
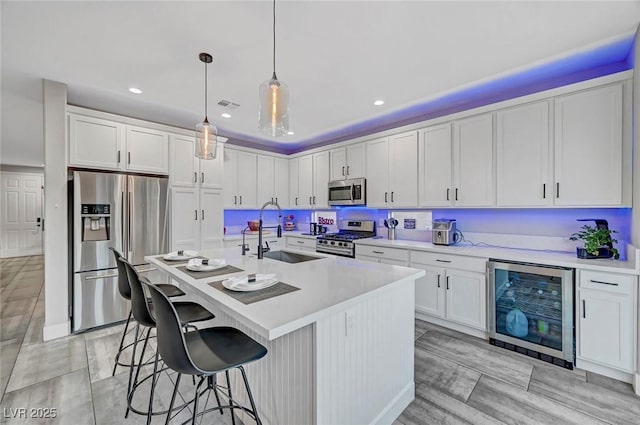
(273, 117)
(206, 133)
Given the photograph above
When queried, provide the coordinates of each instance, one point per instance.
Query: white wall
(56, 284)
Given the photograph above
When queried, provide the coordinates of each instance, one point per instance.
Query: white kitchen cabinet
(294, 182)
(211, 218)
(273, 180)
(281, 181)
(240, 190)
(466, 298)
(456, 164)
(147, 150)
(606, 320)
(309, 181)
(348, 162)
(304, 244)
(320, 195)
(430, 296)
(523, 156)
(196, 218)
(392, 171)
(95, 142)
(305, 181)
(588, 148)
(188, 171)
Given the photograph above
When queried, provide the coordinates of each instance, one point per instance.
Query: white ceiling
(336, 57)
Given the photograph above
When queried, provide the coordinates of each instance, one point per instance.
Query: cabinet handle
(202, 211)
(201, 177)
(310, 203)
(296, 200)
(557, 189)
(314, 199)
(385, 197)
(195, 177)
(378, 252)
(456, 193)
(544, 191)
(448, 194)
(128, 157)
(442, 261)
(584, 309)
(299, 241)
(391, 196)
(276, 199)
(438, 280)
(343, 171)
(235, 200)
(348, 166)
(196, 216)
(240, 199)
(118, 157)
(604, 283)
(447, 283)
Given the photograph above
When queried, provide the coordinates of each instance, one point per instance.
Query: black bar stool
(203, 353)
(142, 309)
(125, 292)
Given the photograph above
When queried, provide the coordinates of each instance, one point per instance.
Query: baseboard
(636, 383)
(396, 406)
(456, 327)
(56, 331)
(606, 371)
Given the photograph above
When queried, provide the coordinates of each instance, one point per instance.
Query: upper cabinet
(523, 156)
(103, 144)
(186, 170)
(348, 162)
(588, 162)
(309, 181)
(456, 163)
(392, 171)
(240, 176)
(273, 181)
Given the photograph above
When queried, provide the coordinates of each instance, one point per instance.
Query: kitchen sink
(289, 257)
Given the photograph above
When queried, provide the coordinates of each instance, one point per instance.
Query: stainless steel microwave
(348, 192)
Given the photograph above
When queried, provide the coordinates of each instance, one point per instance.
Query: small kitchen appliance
(348, 192)
(444, 231)
(341, 243)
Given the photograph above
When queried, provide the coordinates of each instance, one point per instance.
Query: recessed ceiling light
(378, 102)
(135, 90)
(290, 133)
(225, 115)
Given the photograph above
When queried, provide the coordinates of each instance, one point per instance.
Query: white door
(430, 291)
(212, 170)
(321, 180)
(378, 173)
(211, 219)
(147, 150)
(473, 162)
(305, 181)
(231, 179)
(338, 161)
(281, 181)
(247, 178)
(403, 170)
(184, 218)
(522, 164)
(266, 181)
(435, 163)
(21, 214)
(356, 161)
(182, 161)
(466, 298)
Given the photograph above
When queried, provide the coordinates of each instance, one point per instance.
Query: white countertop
(296, 233)
(327, 285)
(552, 258)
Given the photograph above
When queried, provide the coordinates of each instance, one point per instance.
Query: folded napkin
(243, 280)
(213, 262)
(176, 254)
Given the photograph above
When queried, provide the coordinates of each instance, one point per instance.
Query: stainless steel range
(341, 243)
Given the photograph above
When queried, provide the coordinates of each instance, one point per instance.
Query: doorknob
(38, 221)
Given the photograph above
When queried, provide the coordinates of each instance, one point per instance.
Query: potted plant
(598, 243)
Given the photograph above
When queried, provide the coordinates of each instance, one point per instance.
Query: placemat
(217, 272)
(251, 297)
(175, 262)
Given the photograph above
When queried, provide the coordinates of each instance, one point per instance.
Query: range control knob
(333, 243)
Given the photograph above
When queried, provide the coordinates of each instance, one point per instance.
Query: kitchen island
(340, 347)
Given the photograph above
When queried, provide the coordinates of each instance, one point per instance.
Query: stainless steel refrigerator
(125, 212)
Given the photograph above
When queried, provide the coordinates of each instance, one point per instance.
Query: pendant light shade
(273, 116)
(206, 133)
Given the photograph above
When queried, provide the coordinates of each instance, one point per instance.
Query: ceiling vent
(226, 104)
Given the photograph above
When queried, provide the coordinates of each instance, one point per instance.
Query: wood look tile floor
(459, 379)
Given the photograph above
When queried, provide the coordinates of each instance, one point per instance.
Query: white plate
(201, 268)
(247, 287)
(173, 256)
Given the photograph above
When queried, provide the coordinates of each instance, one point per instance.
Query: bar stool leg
(214, 381)
(153, 387)
(253, 404)
(233, 417)
(140, 364)
(124, 333)
(195, 402)
(173, 399)
(133, 361)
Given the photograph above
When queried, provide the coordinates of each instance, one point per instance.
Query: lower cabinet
(196, 218)
(303, 244)
(606, 320)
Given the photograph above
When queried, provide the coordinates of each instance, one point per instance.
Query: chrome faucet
(262, 250)
(245, 246)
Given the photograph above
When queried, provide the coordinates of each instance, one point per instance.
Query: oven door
(347, 192)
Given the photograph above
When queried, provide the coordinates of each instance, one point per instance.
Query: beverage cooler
(531, 310)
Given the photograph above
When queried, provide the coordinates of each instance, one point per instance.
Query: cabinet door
(281, 181)
(473, 162)
(356, 161)
(294, 187)
(378, 173)
(95, 143)
(321, 180)
(265, 183)
(231, 179)
(183, 165)
(466, 298)
(523, 156)
(247, 179)
(394, 262)
(147, 150)
(606, 329)
(588, 147)
(211, 219)
(184, 218)
(435, 164)
(305, 181)
(403, 170)
(338, 159)
(212, 170)
(430, 291)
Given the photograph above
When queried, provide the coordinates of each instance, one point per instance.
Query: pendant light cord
(205, 90)
(274, 40)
